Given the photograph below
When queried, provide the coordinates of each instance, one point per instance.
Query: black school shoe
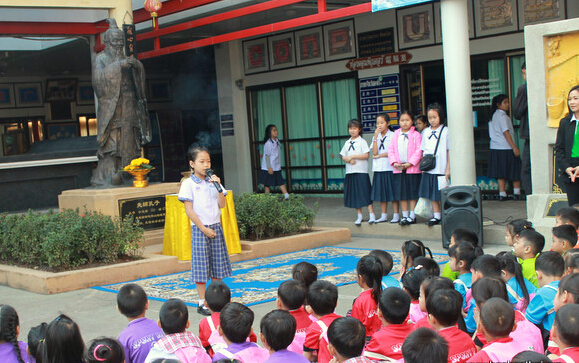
(203, 310)
(432, 222)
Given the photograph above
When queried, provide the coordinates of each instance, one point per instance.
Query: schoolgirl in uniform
(270, 174)
(382, 183)
(203, 203)
(357, 187)
(429, 188)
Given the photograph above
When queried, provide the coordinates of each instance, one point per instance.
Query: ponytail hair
(570, 283)
(370, 269)
(414, 248)
(386, 118)
(497, 100)
(412, 279)
(268, 132)
(105, 350)
(36, 337)
(9, 322)
(518, 225)
(510, 264)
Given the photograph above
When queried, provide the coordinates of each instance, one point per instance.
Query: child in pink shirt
(411, 282)
(291, 296)
(565, 332)
(427, 287)
(365, 309)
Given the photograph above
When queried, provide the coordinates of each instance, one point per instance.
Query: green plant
(68, 239)
(267, 216)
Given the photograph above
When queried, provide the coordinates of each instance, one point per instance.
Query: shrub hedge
(267, 215)
(65, 240)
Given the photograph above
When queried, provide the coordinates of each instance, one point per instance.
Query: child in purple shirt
(278, 329)
(141, 333)
(11, 350)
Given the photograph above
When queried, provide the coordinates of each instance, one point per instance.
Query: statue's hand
(129, 62)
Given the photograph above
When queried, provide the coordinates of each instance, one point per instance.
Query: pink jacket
(414, 144)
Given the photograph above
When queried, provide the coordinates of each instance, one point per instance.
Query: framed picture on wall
(159, 90)
(84, 93)
(495, 16)
(62, 131)
(533, 11)
(282, 54)
(339, 40)
(28, 94)
(438, 24)
(415, 26)
(309, 46)
(7, 95)
(60, 90)
(255, 56)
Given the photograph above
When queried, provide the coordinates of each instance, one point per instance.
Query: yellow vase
(140, 176)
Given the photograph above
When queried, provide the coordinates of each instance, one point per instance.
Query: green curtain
(516, 81)
(496, 68)
(268, 111)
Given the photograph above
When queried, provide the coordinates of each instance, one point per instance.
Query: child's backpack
(253, 354)
(297, 345)
(192, 355)
(216, 340)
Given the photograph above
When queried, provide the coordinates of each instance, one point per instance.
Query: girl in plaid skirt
(203, 203)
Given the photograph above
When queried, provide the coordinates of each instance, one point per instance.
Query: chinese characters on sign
(150, 211)
(130, 40)
(379, 95)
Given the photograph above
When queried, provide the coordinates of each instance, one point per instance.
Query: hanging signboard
(379, 61)
(378, 95)
(378, 5)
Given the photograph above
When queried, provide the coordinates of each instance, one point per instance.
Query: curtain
(516, 81)
(496, 68)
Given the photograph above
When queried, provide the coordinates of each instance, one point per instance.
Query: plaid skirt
(209, 257)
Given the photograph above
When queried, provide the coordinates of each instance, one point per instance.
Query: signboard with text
(378, 5)
(149, 211)
(380, 94)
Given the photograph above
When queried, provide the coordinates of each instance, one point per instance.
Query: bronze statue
(123, 124)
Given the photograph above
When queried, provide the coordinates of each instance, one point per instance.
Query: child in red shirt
(427, 287)
(566, 333)
(365, 307)
(346, 337)
(386, 343)
(291, 296)
(322, 298)
(424, 346)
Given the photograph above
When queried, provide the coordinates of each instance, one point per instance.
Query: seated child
(526, 248)
(425, 346)
(566, 333)
(11, 349)
(386, 343)
(427, 287)
(567, 293)
(105, 350)
(277, 333)
(514, 228)
(567, 215)
(520, 290)
(549, 266)
(458, 235)
(369, 271)
(410, 250)
(63, 341)
(346, 338)
(571, 261)
(323, 299)
(291, 296)
(177, 343)
(387, 263)
(36, 337)
(235, 322)
(528, 356)
(429, 264)
(496, 322)
(444, 309)
(305, 272)
(564, 238)
(411, 282)
(462, 256)
(141, 333)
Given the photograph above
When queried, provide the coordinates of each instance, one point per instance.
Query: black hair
(386, 118)
(194, 150)
(385, 259)
(63, 342)
(131, 300)
(570, 283)
(465, 235)
(9, 322)
(524, 66)
(571, 258)
(510, 264)
(567, 233)
(406, 112)
(516, 226)
(533, 239)
(224, 360)
(36, 337)
(217, 295)
(422, 118)
(323, 297)
(528, 356)
(173, 316)
(348, 336)
(429, 264)
(413, 248)
(436, 283)
(412, 280)
(292, 294)
(487, 265)
(105, 350)
(370, 269)
(394, 305)
(569, 215)
(497, 100)
(498, 317)
(279, 328)
(486, 288)
(466, 252)
(435, 106)
(424, 345)
(445, 305)
(305, 272)
(236, 320)
(567, 323)
(355, 123)
(167, 360)
(574, 88)
(268, 129)
(550, 263)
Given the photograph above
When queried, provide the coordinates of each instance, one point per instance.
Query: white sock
(404, 214)
(359, 220)
(503, 194)
(412, 215)
(395, 217)
(438, 216)
(286, 196)
(516, 191)
(201, 302)
(383, 217)
(372, 217)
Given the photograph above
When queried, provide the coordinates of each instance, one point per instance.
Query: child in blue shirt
(462, 256)
(459, 235)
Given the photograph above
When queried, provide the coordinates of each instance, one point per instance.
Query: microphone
(210, 173)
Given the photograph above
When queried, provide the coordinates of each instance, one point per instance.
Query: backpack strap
(514, 293)
(211, 325)
(227, 353)
(324, 328)
(566, 358)
(379, 357)
(552, 310)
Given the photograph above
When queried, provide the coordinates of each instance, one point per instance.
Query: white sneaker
(372, 220)
(383, 218)
(358, 221)
(395, 220)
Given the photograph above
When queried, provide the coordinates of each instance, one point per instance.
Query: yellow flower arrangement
(138, 164)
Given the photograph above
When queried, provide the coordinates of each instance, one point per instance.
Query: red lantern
(152, 6)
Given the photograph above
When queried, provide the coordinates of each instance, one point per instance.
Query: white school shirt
(359, 146)
(204, 197)
(403, 146)
(497, 126)
(429, 144)
(381, 164)
(271, 148)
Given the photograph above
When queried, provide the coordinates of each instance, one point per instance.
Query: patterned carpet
(256, 281)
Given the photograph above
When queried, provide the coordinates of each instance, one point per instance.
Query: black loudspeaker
(461, 208)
